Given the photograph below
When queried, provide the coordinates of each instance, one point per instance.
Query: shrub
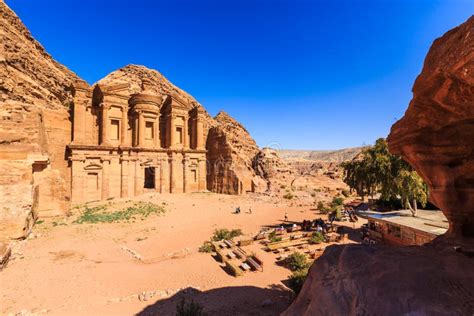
(297, 261)
(98, 214)
(184, 308)
(223, 233)
(346, 193)
(317, 238)
(296, 280)
(206, 247)
(337, 201)
(313, 194)
(273, 237)
(320, 205)
(283, 186)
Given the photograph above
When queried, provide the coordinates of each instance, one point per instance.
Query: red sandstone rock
(368, 280)
(436, 135)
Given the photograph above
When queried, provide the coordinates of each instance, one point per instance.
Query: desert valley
(126, 197)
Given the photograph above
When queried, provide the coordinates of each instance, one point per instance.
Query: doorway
(149, 178)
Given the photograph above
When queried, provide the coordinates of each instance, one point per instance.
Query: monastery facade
(126, 145)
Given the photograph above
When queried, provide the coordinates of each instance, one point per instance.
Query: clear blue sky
(303, 74)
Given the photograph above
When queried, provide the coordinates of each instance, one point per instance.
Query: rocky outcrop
(436, 134)
(34, 116)
(371, 280)
(231, 151)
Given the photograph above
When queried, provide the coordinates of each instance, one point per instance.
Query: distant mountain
(339, 155)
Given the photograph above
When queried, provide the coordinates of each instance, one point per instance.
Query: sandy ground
(101, 269)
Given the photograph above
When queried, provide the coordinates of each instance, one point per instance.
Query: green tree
(376, 170)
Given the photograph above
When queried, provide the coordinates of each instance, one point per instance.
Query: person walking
(250, 210)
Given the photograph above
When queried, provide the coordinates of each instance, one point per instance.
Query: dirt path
(125, 268)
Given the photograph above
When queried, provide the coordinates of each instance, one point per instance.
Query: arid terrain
(65, 268)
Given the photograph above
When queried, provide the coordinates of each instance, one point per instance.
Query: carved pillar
(185, 133)
(105, 178)
(141, 130)
(202, 174)
(124, 132)
(79, 122)
(165, 175)
(124, 177)
(199, 134)
(105, 124)
(172, 133)
(172, 172)
(185, 173)
(77, 179)
(157, 131)
(138, 178)
(157, 176)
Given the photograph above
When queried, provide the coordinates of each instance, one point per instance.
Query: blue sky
(302, 74)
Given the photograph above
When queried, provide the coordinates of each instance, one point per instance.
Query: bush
(297, 261)
(138, 210)
(296, 280)
(206, 247)
(346, 193)
(288, 196)
(313, 194)
(337, 201)
(273, 237)
(223, 233)
(317, 238)
(184, 308)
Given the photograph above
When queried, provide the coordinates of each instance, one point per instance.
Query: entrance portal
(149, 178)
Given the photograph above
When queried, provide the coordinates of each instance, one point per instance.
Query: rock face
(371, 280)
(34, 99)
(231, 151)
(436, 134)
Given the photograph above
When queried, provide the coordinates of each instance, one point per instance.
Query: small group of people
(237, 210)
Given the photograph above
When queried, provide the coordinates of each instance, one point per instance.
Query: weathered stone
(436, 134)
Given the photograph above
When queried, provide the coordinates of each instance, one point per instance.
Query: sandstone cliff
(436, 134)
(231, 151)
(34, 100)
(436, 137)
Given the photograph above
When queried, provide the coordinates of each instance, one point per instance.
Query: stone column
(199, 134)
(157, 175)
(157, 131)
(185, 173)
(172, 133)
(165, 174)
(105, 124)
(124, 177)
(202, 174)
(141, 130)
(185, 132)
(77, 179)
(172, 172)
(79, 122)
(138, 178)
(105, 178)
(124, 132)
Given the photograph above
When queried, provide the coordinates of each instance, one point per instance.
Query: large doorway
(149, 178)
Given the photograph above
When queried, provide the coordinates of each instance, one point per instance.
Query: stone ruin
(65, 142)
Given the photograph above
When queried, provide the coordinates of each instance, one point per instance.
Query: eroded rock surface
(436, 135)
(367, 280)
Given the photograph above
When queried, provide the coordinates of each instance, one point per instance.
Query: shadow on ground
(237, 300)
